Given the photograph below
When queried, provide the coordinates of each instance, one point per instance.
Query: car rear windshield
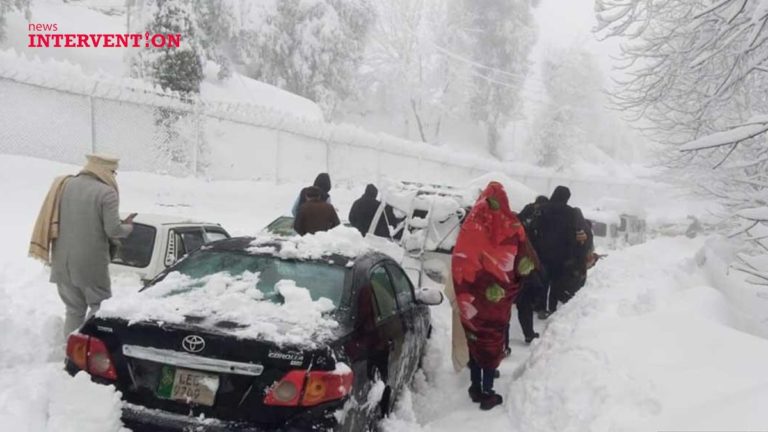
(319, 278)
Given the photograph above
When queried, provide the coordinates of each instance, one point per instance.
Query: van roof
(155, 219)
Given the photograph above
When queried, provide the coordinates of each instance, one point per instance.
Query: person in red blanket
(489, 260)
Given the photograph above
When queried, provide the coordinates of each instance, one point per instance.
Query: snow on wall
(62, 113)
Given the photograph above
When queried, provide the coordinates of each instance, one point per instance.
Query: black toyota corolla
(202, 373)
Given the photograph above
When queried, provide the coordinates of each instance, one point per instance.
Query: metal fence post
(92, 116)
(198, 136)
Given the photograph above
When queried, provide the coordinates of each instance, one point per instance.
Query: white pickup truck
(158, 241)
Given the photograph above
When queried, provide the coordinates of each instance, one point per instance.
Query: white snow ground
(659, 339)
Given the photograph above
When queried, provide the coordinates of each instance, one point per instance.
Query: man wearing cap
(73, 231)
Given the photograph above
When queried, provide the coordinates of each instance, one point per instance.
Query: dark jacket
(322, 182)
(555, 239)
(363, 211)
(314, 216)
(584, 249)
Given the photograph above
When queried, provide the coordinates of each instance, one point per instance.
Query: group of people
(534, 259)
(312, 210)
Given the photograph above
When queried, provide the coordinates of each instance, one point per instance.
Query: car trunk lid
(197, 370)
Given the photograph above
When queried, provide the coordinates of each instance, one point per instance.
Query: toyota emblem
(193, 343)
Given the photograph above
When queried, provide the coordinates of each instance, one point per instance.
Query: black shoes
(475, 393)
(486, 400)
(529, 339)
(490, 400)
(543, 314)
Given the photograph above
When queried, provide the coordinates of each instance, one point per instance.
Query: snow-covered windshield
(320, 279)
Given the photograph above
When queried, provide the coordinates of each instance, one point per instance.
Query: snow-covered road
(646, 345)
(650, 343)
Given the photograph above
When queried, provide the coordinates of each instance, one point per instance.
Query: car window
(384, 293)
(282, 226)
(319, 278)
(192, 239)
(136, 249)
(214, 234)
(402, 285)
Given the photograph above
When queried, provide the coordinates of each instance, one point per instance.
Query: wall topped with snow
(61, 113)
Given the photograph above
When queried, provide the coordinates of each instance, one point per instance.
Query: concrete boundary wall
(156, 131)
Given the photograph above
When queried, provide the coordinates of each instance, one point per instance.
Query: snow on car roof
(342, 240)
(339, 246)
(156, 219)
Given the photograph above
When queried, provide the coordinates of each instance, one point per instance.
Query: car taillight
(90, 354)
(327, 386)
(287, 391)
(299, 387)
(77, 350)
(99, 360)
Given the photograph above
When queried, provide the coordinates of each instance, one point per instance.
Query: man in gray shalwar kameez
(88, 218)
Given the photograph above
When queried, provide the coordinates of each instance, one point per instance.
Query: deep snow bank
(647, 345)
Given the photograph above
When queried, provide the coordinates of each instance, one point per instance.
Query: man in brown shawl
(77, 221)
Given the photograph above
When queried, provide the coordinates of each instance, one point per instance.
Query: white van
(158, 241)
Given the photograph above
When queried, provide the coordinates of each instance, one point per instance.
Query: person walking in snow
(489, 260)
(73, 233)
(533, 297)
(364, 209)
(555, 242)
(315, 214)
(322, 182)
(532, 288)
(583, 253)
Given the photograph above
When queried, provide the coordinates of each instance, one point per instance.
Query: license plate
(188, 386)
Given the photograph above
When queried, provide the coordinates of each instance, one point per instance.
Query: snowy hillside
(653, 342)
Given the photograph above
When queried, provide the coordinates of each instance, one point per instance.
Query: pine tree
(177, 69)
(217, 27)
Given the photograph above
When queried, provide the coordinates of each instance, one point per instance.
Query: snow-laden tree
(309, 47)
(7, 6)
(408, 72)
(217, 26)
(571, 116)
(503, 33)
(696, 78)
(178, 69)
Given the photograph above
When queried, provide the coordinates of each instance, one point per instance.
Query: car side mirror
(429, 296)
